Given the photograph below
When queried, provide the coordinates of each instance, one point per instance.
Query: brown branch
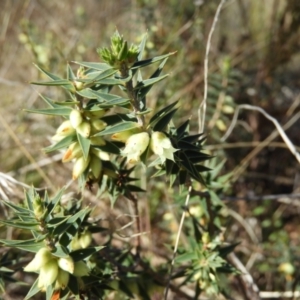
(134, 200)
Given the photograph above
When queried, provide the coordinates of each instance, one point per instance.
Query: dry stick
(41, 163)
(280, 130)
(177, 241)
(24, 150)
(202, 107)
(138, 226)
(245, 224)
(249, 287)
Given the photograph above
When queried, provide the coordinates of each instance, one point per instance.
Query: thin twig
(250, 289)
(263, 197)
(177, 241)
(41, 163)
(279, 295)
(202, 107)
(134, 200)
(25, 152)
(245, 224)
(275, 122)
(240, 168)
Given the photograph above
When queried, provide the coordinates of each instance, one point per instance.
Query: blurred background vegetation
(254, 59)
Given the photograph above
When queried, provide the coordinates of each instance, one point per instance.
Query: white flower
(85, 239)
(101, 154)
(98, 125)
(62, 279)
(82, 241)
(74, 151)
(48, 274)
(84, 129)
(161, 145)
(66, 264)
(40, 259)
(80, 166)
(75, 118)
(124, 135)
(135, 146)
(63, 130)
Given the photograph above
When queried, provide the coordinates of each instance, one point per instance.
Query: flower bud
(212, 277)
(286, 268)
(75, 118)
(95, 114)
(62, 279)
(38, 207)
(66, 264)
(97, 141)
(205, 238)
(84, 129)
(98, 125)
(63, 130)
(75, 244)
(85, 239)
(161, 145)
(81, 269)
(95, 165)
(124, 135)
(74, 151)
(135, 146)
(41, 258)
(57, 137)
(80, 166)
(101, 154)
(78, 85)
(80, 72)
(48, 273)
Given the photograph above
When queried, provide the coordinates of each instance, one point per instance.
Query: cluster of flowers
(54, 269)
(87, 124)
(137, 143)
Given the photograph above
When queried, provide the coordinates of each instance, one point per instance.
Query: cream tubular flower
(40, 259)
(123, 136)
(74, 151)
(75, 118)
(48, 274)
(62, 279)
(63, 130)
(66, 264)
(85, 239)
(135, 146)
(80, 166)
(84, 129)
(161, 145)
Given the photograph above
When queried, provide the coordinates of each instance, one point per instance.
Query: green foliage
(107, 130)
